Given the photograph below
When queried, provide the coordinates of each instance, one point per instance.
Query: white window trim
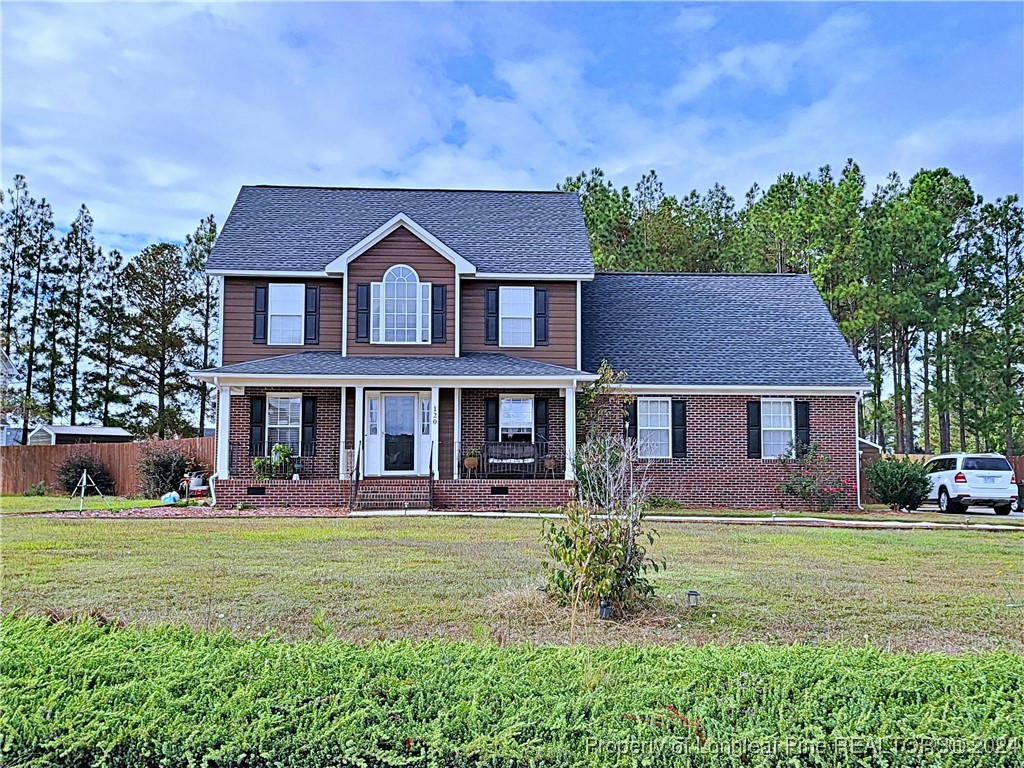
(266, 419)
(533, 414)
(420, 313)
(531, 317)
(271, 314)
(792, 424)
(639, 437)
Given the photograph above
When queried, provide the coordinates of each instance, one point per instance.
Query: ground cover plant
(85, 694)
(478, 578)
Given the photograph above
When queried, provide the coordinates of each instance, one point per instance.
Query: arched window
(400, 308)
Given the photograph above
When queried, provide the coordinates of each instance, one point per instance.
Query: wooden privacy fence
(22, 466)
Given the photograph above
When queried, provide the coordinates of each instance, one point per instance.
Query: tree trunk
(30, 363)
(908, 399)
(925, 395)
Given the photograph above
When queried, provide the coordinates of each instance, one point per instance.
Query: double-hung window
(654, 427)
(515, 420)
(287, 306)
(400, 308)
(284, 422)
(515, 324)
(777, 427)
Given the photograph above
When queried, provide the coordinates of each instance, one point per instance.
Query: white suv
(961, 480)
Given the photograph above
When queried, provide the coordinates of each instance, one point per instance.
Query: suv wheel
(946, 504)
(1003, 509)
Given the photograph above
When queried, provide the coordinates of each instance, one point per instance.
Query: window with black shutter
(803, 423)
(753, 429)
(540, 317)
(540, 422)
(629, 420)
(491, 316)
(491, 420)
(678, 429)
(259, 314)
(312, 330)
(363, 313)
(308, 425)
(439, 315)
(258, 425)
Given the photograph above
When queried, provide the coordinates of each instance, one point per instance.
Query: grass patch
(460, 578)
(12, 505)
(83, 694)
(875, 512)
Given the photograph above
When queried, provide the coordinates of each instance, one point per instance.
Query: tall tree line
(924, 278)
(97, 338)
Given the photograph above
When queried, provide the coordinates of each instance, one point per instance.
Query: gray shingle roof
(333, 364)
(64, 429)
(733, 330)
(305, 228)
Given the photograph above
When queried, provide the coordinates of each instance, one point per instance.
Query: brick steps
(409, 494)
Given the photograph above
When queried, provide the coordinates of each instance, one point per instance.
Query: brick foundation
(475, 495)
(304, 493)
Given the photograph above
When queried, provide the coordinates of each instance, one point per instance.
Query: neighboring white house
(51, 434)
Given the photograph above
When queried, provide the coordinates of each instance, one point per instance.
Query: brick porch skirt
(462, 495)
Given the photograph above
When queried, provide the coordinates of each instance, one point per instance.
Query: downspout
(856, 435)
(216, 384)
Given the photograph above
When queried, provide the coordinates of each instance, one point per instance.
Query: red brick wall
(716, 471)
(476, 495)
(278, 493)
(324, 463)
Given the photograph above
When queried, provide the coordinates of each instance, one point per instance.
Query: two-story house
(389, 347)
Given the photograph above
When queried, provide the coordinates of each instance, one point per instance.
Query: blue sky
(154, 115)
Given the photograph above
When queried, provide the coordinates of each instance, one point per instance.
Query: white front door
(397, 433)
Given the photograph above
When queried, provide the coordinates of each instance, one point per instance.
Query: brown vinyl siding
(238, 319)
(445, 432)
(561, 349)
(401, 247)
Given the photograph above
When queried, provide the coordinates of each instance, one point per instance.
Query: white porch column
(457, 432)
(435, 447)
(570, 432)
(341, 435)
(357, 438)
(223, 432)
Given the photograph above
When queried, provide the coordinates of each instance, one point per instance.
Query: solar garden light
(691, 598)
(605, 612)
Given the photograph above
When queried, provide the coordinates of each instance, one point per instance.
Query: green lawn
(874, 512)
(11, 505)
(478, 578)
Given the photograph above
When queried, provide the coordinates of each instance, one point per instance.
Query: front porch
(454, 447)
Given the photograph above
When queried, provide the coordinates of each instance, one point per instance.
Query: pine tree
(78, 264)
(39, 276)
(160, 347)
(198, 246)
(103, 382)
(15, 242)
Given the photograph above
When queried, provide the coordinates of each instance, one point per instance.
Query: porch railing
(510, 460)
(241, 457)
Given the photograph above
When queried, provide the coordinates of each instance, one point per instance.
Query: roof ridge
(410, 189)
(704, 274)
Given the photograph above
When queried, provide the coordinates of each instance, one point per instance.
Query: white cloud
(690, 21)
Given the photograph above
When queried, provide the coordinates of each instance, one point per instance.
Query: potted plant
(280, 455)
(262, 468)
(471, 458)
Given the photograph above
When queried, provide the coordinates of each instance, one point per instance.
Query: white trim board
(415, 382)
(340, 264)
(718, 389)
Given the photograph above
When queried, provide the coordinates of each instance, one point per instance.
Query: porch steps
(411, 494)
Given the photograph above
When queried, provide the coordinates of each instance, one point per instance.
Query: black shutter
(312, 314)
(259, 314)
(753, 429)
(540, 422)
(308, 426)
(439, 315)
(803, 423)
(258, 425)
(491, 420)
(629, 417)
(363, 312)
(540, 317)
(678, 429)
(491, 316)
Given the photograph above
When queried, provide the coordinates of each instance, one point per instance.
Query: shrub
(899, 482)
(39, 489)
(161, 468)
(69, 474)
(809, 478)
(86, 694)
